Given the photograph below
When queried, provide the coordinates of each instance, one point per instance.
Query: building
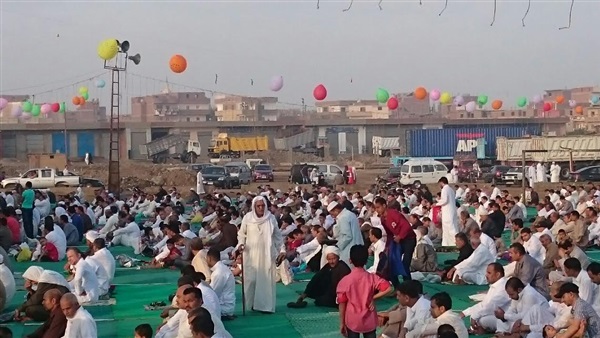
(91, 111)
(353, 109)
(171, 107)
(245, 108)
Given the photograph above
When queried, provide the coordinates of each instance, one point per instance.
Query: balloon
(85, 95)
(27, 106)
(572, 103)
(595, 99)
(63, 107)
(276, 83)
(537, 99)
(16, 110)
(81, 100)
(178, 64)
(482, 100)
(76, 100)
(108, 49)
(392, 103)
(579, 110)
(320, 92)
(36, 110)
(547, 106)
(459, 101)
(470, 107)
(445, 98)
(100, 83)
(26, 116)
(497, 104)
(55, 107)
(560, 99)
(382, 95)
(3, 103)
(420, 93)
(434, 95)
(522, 101)
(83, 90)
(46, 108)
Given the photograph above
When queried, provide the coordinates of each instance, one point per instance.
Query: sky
(49, 44)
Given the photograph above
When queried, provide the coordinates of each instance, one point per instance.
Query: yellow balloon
(108, 49)
(446, 98)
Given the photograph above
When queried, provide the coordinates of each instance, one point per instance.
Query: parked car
(514, 176)
(494, 175)
(219, 177)
(422, 171)
(591, 173)
(43, 178)
(332, 173)
(198, 167)
(263, 172)
(240, 170)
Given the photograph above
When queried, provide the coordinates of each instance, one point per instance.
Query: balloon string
(443, 10)
(379, 4)
(318, 2)
(570, 15)
(349, 6)
(420, 2)
(526, 12)
(494, 18)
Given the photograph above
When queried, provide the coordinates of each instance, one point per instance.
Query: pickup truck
(42, 178)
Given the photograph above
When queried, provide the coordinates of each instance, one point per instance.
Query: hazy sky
(403, 46)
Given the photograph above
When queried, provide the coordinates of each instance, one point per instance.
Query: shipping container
(448, 142)
(385, 131)
(587, 148)
(85, 144)
(294, 141)
(58, 142)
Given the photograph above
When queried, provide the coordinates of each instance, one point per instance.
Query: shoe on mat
(228, 318)
(297, 305)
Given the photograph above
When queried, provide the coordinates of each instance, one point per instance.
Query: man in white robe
(473, 269)
(199, 183)
(554, 173)
(129, 235)
(345, 230)
(222, 281)
(449, 213)
(261, 245)
(540, 172)
(532, 245)
(531, 175)
(8, 280)
(482, 315)
(104, 257)
(80, 324)
(441, 313)
(454, 175)
(84, 281)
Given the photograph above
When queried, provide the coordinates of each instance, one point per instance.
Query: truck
(43, 178)
(387, 146)
(158, 150)
(569, 152)
(224, 145)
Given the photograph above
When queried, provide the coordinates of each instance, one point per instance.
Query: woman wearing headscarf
(37, 282)
(261, 244)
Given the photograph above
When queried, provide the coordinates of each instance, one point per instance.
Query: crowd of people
(541, 284)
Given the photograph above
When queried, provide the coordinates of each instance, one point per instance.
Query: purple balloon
(276, 83)
(537, 99)
(16, 110)
(459, 101)
(3, 103)
(434, 95)
(470, 107)
(572, 103)
(26, 116)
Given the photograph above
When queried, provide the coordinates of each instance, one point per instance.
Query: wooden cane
(243, 284)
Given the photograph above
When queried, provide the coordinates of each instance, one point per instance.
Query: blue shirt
(78, 223)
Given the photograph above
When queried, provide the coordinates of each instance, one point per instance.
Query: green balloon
(482, 100)
(522, 102)
(63, 107)
(26, 106)
(36, 110)
(85, 95)
(382, 95)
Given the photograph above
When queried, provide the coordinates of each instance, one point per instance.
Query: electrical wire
(570, 16)
(349, 6)
(318, 2)
(443, 10)
(52, 82)
(526, 12)
(379, 4)
(494, 18)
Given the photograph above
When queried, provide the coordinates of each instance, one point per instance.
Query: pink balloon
(434, 95)
(537, 99)
(392, 103)
(46, 108)
(572, 103)
(16, 110)
(547, 106)
(26, 116)
(3, 103)
(459, 101)
(320, 92)
(470, 107)
(276, 83)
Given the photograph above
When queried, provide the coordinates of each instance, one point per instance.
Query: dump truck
(158, 150)
(235, 146)
(570, 152)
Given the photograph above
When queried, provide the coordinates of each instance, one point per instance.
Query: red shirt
(51, 251)
(396, 224)
(295, 244)
(15, 229)
(357, 290)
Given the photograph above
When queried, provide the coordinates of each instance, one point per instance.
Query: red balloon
(55, 107)
(392, 103)
(320, 92)
(547, 106)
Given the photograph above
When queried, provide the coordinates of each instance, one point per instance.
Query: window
(343, 109)
(428, 168)
(440, 167)
(322, 168)
(462, 116)
(415, 169)
(363, 109)
(379, 108)
(404, 169)
(187, 107)
(335, 170)
(187, 96)
(512, 113)
(484, 114)
(502, 114)
(47, 173)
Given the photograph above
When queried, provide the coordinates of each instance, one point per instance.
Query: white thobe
(309, 250)
(535, 249)
(262, 244)
(130, 235)
(431, 326)
(101, 275)
(540, 172)
(82, 325)
(562, 317)
(521, 309)
(495, 193)
(454, 175)
(85, 280)
(347, 233)
(111, 224)
(449, 216)
(472, 270)
(587, 288)
(171, 327)
(483, 312)
(199, 184)
(489, 243)
(377, 248)
(417, 314)
(58, 238)
(555, 173)
(188, 234)
(531, 175)
(209, 298)
(223, 282)
(107, 260)
(8, 280)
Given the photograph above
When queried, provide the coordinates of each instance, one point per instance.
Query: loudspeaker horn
(124, 46)
(136, 59)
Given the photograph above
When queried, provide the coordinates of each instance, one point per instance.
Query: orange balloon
(178, 64)
(81, 100)
(420, 93)
(560, 99)
(497, 104)
(76, 100)
(579, 110)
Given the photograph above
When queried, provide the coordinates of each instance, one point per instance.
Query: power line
(52, 82)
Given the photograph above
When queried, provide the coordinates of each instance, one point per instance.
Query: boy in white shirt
(377, 249)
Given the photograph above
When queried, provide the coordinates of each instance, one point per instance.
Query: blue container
(58, 142)
(85, 144)
(452, 141)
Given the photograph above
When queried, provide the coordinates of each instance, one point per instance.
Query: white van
(422, 171)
